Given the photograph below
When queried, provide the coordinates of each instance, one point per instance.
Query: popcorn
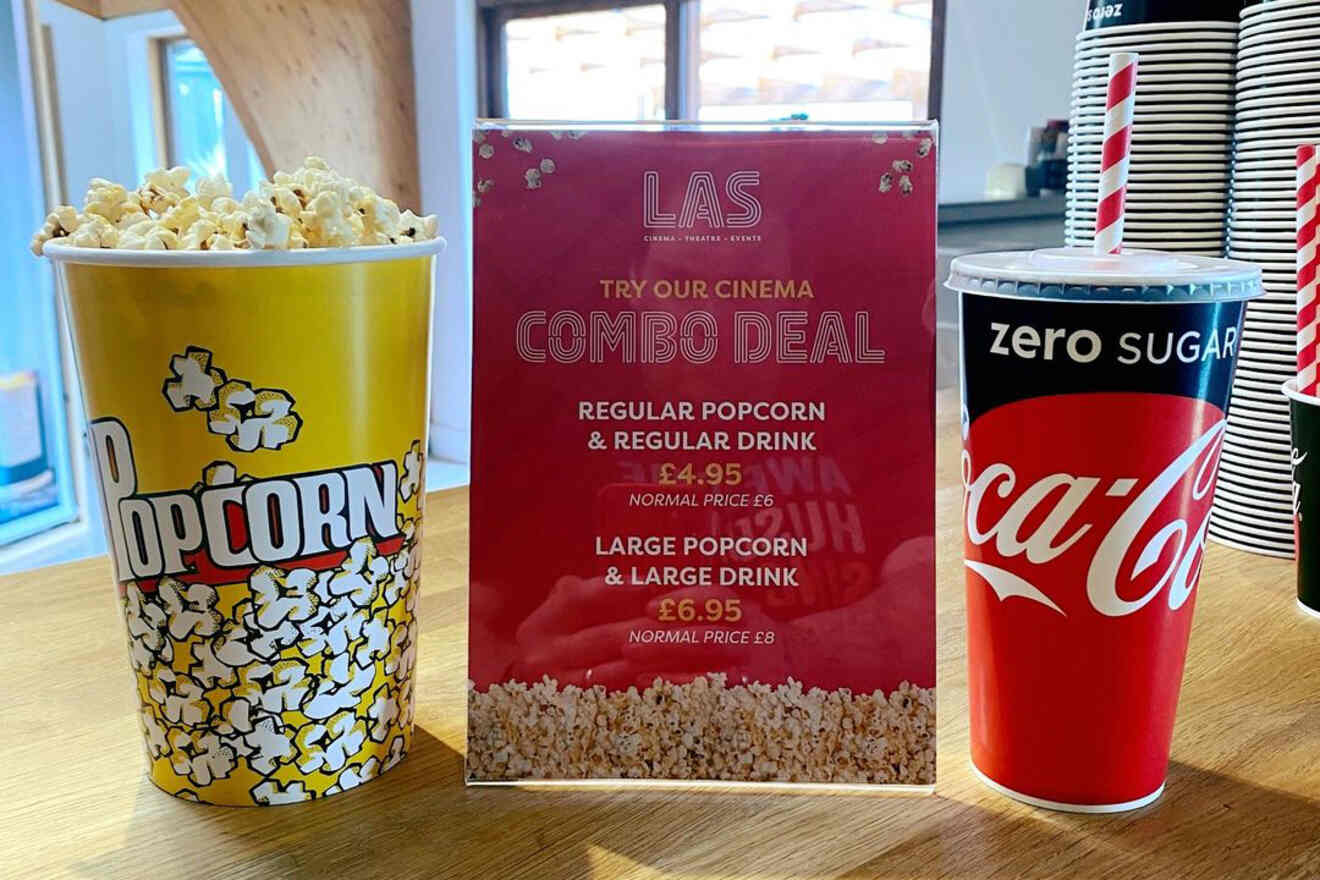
(886, 183)
(199, 235)
(313, 206)
(147, 623)
(523, 145)
(211, 188)
(154, 734)
(328, 224)
(250, 419)
(108, 200)
(533, 178)
(271, 746)
(201, 757)
(902, 166)
(285, 685)
(340, 690)
(413, 462)
(548, 166)
(380, 217)
(383, 712)
(414, 228)
(190, 609)
(266, 227)
(396, 752)
(182, 216)
(290, 671)
(282, 197)
(905, 185)
(328, 747)
(356, 774)
(134, 237)
(182, 700)
(253, 419)
(94, 231)
(270, 793)
(703, 729)
(277, 596)
(161, 240)
(486, 151)
(163, 189)
(924, 146)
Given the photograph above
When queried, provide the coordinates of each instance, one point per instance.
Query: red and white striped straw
(1308, 264)
(1115, 153)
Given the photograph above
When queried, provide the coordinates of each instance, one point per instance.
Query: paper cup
(1076, 647)
(259, 422)
(1306, 493)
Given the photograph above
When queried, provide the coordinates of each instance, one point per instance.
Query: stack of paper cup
(1278, 108)
(1181, 146)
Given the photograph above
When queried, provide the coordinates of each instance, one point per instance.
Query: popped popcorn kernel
(267, 228)
(163, 189)
(106, 199)
(160, 239)
(312, 206)
(329, 222)
(94, 231)
(211, 188)
(60, 223)
(414, 228)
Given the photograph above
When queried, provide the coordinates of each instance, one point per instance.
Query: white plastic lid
(1077, 274)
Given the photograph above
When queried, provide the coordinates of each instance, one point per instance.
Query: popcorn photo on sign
(730, 355)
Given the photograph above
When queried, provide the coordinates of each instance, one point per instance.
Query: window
(616, 56)
(59, 104)
(202, 131)
(718, 60)
(37, 483)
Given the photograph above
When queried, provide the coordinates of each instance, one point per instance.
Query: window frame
(681, 25)
(492, 48)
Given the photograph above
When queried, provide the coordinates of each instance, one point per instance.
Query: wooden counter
(1243, 797)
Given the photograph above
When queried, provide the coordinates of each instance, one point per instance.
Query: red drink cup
(1095, 393)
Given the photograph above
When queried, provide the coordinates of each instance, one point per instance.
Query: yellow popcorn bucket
(258, 421)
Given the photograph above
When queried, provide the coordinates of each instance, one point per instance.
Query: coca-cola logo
(1298, 457)
(1097, 501)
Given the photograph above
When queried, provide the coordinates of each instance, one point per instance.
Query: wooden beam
(116, 8)
(91, 7)
(327, 77)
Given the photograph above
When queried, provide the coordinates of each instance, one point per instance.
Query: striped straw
(1115, 154)
(1308, 262)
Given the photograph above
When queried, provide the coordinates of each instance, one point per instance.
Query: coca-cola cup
(1095, 391)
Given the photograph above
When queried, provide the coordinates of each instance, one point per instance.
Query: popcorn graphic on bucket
(258, 420)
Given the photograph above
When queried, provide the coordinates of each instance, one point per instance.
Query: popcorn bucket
(258, 423)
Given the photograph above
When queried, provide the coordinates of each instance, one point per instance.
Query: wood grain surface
(1243, 799)
(329, 77)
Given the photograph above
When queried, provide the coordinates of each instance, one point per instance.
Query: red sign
(702, 489)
